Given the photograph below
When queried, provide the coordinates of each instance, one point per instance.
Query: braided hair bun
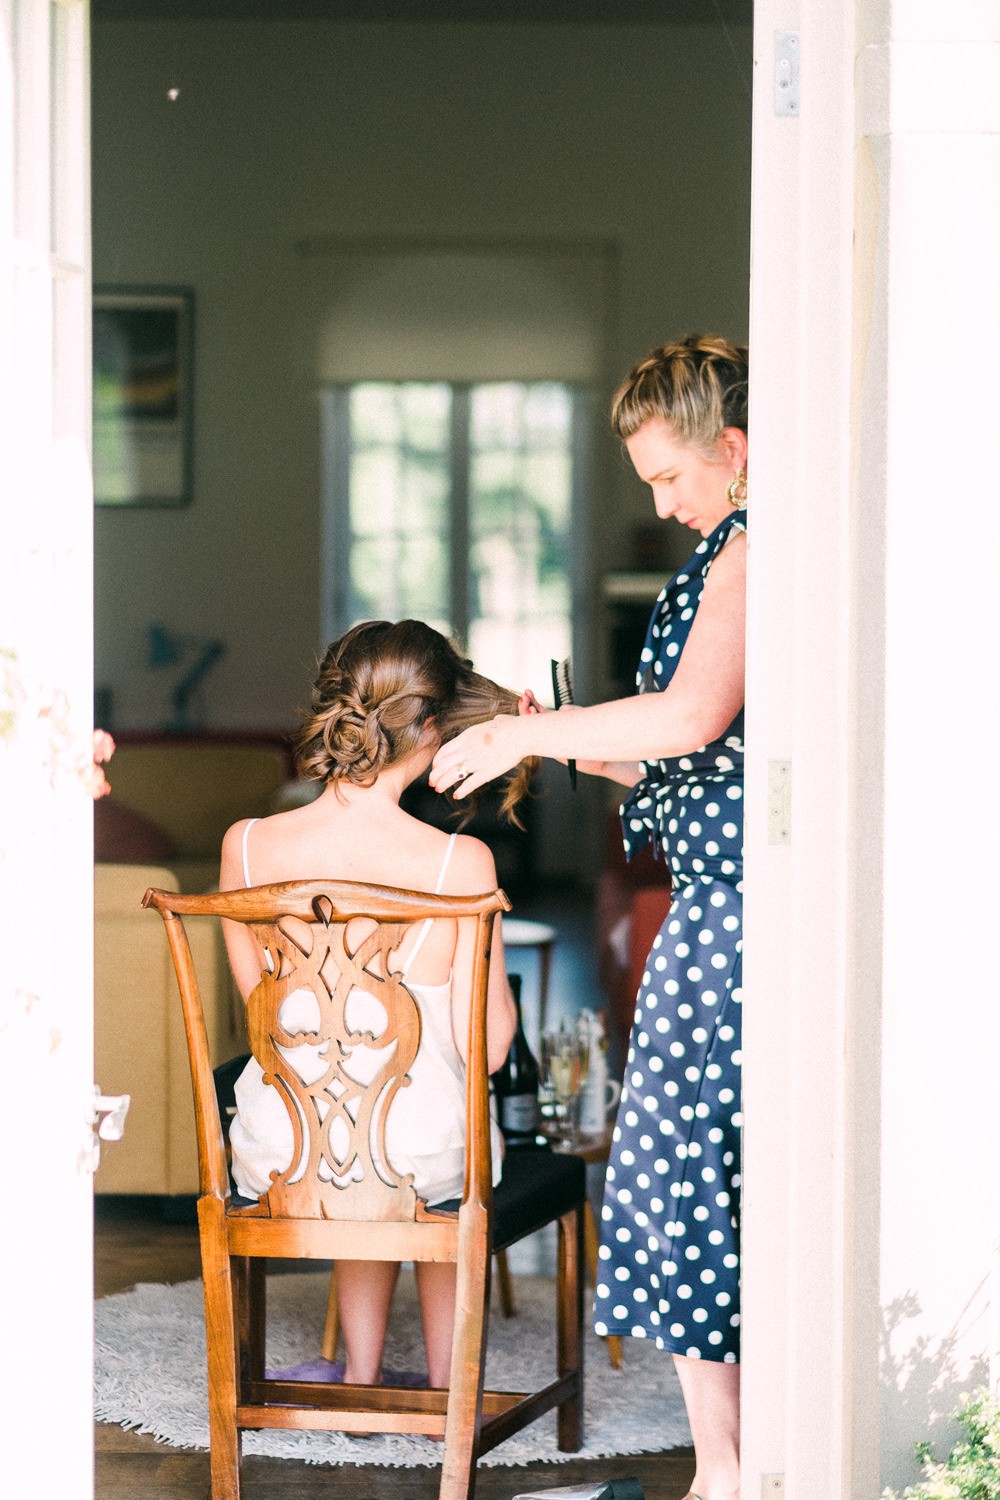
(698, 384)
(377, 688)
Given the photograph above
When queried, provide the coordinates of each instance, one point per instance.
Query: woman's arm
(701, 701)
(625, 772)
(244, 954)
(473, 872)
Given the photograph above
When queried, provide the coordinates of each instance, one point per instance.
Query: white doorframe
(46, 604)
(799, 711)
(870, 1041)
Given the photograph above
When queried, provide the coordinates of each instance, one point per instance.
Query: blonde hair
(377, 688)
(698, 384)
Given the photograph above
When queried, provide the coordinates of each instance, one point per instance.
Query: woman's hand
(479, 755)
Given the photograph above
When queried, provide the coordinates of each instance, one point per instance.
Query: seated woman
(386, 697)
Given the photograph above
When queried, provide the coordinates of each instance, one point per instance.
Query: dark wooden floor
(131, 1248)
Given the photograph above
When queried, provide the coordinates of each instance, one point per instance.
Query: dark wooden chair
(334, 938)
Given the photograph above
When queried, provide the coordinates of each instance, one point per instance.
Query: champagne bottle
(515, 1084)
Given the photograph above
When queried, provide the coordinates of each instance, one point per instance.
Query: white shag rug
(150, 1375)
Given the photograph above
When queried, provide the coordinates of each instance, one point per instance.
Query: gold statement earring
(736, 491)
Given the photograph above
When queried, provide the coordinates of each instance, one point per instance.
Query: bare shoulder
(233, 835)
(727, 573)
(231, 865)
(731, 560)
(233, 844)
(278, 824)
(471, 869)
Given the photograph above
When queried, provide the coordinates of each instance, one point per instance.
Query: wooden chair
(334, 938)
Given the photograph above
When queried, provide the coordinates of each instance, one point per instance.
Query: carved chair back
(335, 1028)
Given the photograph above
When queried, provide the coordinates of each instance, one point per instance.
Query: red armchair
(632, 901)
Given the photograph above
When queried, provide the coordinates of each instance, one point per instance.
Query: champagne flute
(567, 1058)
(546, 1100)
(583, 1040)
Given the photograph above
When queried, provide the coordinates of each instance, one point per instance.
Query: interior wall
(281, 131)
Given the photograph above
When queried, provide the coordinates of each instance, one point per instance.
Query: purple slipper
(325, 1370)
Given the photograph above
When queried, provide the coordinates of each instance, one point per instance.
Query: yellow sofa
(190, 788)
(172, 798)
(139, 1040)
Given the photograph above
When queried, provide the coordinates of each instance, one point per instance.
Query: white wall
(934, 129)
(634, 135)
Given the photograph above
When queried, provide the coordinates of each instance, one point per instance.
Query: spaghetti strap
(246, 861)
(246, 876)
(429, 921)
(444, 865)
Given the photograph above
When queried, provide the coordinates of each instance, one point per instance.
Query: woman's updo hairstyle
(377, 687)
(698, 385)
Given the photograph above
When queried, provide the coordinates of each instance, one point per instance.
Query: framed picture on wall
(143, 363)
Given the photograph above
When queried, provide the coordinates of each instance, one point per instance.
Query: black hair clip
(562, 693)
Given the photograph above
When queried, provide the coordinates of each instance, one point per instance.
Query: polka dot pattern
(669, 1261)
(690, 808)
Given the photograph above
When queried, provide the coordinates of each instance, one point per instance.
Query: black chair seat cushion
(538, 1184)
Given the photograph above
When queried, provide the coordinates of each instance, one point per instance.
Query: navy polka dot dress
(669, 1257)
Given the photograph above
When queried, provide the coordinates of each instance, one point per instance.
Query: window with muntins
(454, 503)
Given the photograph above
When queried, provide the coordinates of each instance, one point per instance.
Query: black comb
(562, 692)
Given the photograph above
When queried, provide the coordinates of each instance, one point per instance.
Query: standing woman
(669, 1267)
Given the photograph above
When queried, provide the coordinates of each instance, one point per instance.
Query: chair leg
(240, 1270)
(220, 1336)
(505, 1286)
(590, 1241)
(569, 1292)
(468, 1359)
(250, 1313)
(331, 1328)
(257, 1319)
